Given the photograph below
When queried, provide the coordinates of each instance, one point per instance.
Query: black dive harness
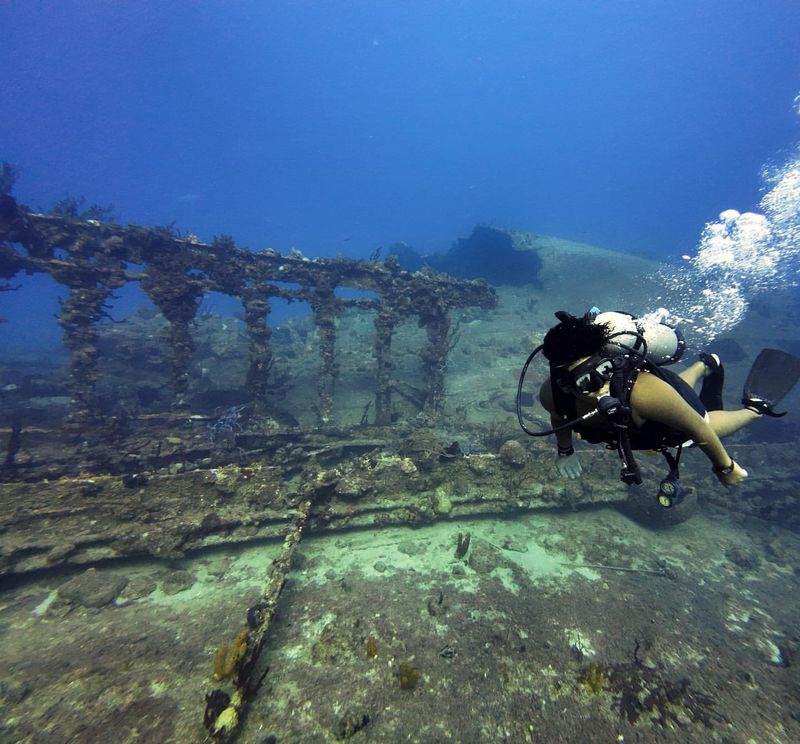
(616, 407)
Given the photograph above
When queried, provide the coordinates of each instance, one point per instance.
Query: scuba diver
(608, 383)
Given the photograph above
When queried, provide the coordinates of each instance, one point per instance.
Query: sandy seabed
(389, 637)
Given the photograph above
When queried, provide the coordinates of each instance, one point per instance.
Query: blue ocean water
(344, 125)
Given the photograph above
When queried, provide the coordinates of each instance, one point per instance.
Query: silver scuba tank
(665, 344)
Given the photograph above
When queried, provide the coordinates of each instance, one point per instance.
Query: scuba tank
(662, 344)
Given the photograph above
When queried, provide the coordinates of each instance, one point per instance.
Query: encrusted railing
(93, 259)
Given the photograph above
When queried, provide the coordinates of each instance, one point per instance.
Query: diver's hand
(569, 467)
(737, 475)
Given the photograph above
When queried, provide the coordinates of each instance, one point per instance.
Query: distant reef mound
(488, 253)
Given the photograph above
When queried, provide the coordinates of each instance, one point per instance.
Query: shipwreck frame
(93, 259)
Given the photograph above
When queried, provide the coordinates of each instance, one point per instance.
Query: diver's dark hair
(574, 338)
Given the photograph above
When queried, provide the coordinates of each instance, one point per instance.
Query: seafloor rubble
(576, 626)
(351, 541)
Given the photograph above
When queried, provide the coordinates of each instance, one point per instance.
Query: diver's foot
(713, 382)
(712, 363)
(761, 407)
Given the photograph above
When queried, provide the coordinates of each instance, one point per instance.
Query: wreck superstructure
(93, 259)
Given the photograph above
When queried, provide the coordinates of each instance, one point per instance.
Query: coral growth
(409, 677)
(228, 657)
(425, 449)
(594, 678)
(462, 546)
(639, 690)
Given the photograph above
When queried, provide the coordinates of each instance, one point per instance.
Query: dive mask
(588, 377)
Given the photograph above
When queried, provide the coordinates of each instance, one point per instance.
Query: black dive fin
(773, 374)
(711, 392)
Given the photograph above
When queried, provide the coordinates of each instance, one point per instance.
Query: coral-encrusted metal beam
(92, 259)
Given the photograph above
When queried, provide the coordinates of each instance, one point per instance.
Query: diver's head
(588, 376)
(573, 339)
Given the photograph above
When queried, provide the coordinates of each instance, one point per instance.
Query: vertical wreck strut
(326, 308)
(385, 322)
(434, 356)
(256, 309)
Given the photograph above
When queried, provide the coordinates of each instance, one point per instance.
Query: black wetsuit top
(652, 435)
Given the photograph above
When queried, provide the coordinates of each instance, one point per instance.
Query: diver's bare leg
(692, 375)
(727, 422)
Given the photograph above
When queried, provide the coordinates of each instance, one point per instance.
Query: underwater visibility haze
(269, 272)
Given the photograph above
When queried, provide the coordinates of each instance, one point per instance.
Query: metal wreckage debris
(92, 260)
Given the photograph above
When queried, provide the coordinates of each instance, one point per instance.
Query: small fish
(10, 388)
